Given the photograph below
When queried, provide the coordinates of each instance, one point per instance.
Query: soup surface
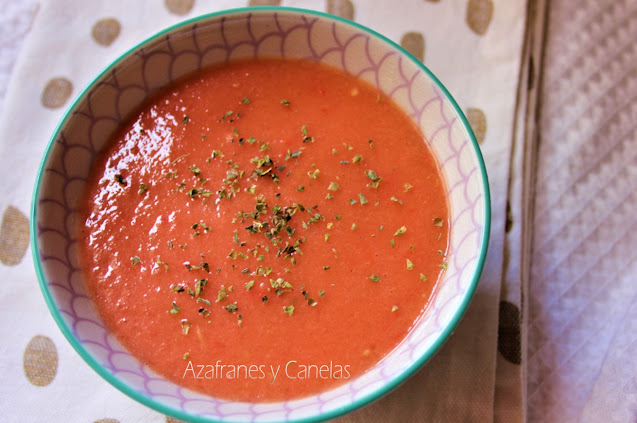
(265, 230)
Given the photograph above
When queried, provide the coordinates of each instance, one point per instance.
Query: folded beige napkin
(474, 47)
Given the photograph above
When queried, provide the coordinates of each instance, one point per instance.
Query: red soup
(265, 230)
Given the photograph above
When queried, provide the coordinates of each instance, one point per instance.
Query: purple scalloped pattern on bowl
(216, 40)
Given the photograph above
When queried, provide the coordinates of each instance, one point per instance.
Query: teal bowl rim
(380, 392)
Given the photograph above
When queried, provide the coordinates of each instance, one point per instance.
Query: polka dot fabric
(65, 50)
(40, 361)
(56, 92)
(14, 236)
(105, 31)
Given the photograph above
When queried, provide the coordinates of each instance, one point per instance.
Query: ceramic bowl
(217, 38)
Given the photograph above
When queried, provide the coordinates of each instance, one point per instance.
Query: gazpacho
(264, 230)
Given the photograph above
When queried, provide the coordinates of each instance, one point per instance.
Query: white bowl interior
(216, 39)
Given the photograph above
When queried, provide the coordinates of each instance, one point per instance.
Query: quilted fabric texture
(583, 289)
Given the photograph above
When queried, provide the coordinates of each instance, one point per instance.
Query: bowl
(105, 103)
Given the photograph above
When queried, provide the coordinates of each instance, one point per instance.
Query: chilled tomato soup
(265, 230)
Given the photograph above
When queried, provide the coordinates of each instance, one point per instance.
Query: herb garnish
(401, 231)
(374, 178)
(280, 285)
(313, 173)
(292, 155)
(159, 262)
(198, 191)
(177, 288)
(222, 294)
(203, 300)
(306, 137)
(374, 278)
(289, 310)
(199, 287)
(410, 265)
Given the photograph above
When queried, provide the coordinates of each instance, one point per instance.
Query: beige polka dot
(105, 31)
(414, 42)
(14, 236)
(509, 332)
(172, 420)
(264, 3)
(478, 122)
(509, 220)
(342, 8)
(479, 13)
(179, 7)
(56, 92)
(40, 360)
(107, 420)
